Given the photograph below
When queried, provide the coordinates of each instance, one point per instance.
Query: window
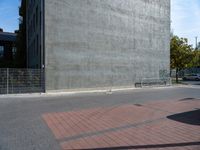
(34, 21)
(14, 51)
(37, 16)
(1, 51)
(37, 45)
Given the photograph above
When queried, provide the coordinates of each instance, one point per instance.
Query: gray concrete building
(85, 44)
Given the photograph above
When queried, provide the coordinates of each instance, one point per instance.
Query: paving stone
(165, 125)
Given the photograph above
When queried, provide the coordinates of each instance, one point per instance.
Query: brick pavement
(170, 125)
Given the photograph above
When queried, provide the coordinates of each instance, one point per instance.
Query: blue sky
(9, 14)
(185, 16)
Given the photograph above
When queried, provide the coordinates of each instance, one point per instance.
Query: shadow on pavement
(149, 146)
(191, 117)
(187, 99)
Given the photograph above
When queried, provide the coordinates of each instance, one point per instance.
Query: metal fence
(15, 81)
(182, 73)
(149, 82)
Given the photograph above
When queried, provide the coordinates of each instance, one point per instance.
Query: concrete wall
(103, 43)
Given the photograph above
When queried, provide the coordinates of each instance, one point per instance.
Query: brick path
(170, 125)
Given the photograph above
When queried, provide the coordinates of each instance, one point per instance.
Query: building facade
(7, 49)
(35, 29)
(85, 44)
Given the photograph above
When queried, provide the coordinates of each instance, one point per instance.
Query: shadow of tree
(191, 117)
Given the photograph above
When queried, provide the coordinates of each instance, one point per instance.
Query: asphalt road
(22, 127)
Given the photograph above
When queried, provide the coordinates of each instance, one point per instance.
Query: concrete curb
(89, 92)
(71, 93)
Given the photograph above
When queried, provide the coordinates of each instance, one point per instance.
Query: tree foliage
(195, 59)
(181, 54)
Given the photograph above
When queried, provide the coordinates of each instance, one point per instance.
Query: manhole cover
(139, 105)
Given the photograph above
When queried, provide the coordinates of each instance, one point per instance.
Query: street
(158, 118)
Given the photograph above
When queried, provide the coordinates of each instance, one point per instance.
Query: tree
(181, 54)
(195, 59)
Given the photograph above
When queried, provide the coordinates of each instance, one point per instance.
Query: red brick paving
(128, 127)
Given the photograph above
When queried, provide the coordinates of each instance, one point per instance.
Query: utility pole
(196, 38)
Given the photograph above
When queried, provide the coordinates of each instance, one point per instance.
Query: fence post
(7, 80)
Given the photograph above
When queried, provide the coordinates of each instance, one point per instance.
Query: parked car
(192, 77)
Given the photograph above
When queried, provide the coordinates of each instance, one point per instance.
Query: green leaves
(181, 53)
(195, 59)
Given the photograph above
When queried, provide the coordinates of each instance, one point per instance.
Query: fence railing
(14, 81)
(153, 82)
(184, 72)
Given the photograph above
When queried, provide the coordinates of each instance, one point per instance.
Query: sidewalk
(160, 125)
(92, 92)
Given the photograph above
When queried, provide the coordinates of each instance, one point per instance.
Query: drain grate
(139, 105)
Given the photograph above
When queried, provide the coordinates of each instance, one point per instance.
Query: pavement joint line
(135, 125)
(100, 114)
(97, 114)
(157, 109)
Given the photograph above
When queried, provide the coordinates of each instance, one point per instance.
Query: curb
(89, 92)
